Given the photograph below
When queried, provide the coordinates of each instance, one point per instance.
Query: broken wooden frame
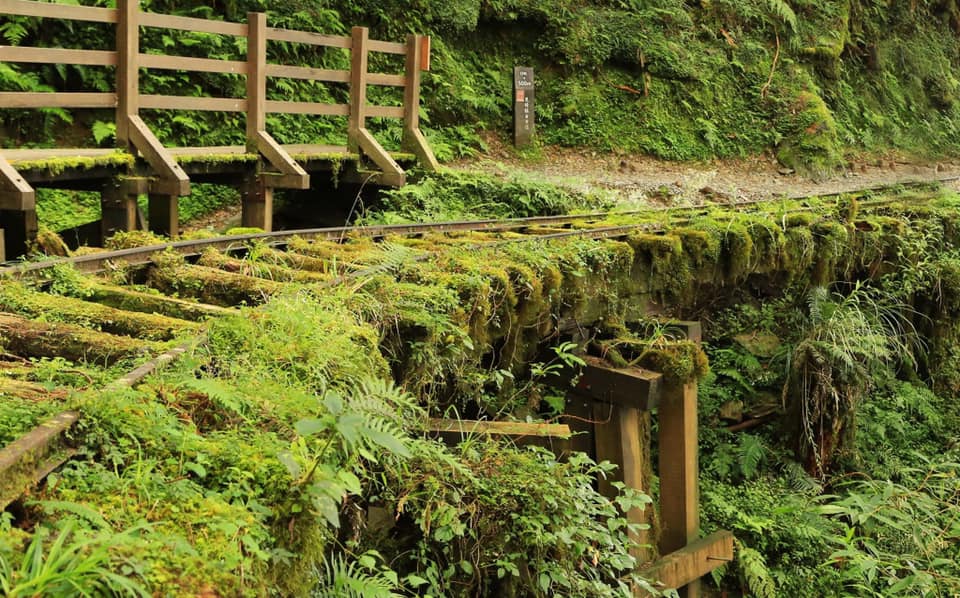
(609, 402)
(167, 181)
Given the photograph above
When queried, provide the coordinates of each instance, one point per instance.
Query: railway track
(141, 308)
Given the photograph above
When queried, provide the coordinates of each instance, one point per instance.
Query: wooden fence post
(413, 140)
(678, 467)
(128, 70)
(358, 87)
(257, 197)
(256, 78)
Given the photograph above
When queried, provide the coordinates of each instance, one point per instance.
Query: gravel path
(644, 180)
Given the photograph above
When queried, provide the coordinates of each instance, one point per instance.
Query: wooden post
(358, 87)
(678, 467)
(413, 139)
(257, 198)
(163, 214)
(256, 78)
(19, 231)
(3, 247)
(128, 79)
(118, 208)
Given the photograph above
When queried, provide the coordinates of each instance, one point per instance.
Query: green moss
(211, 158)
(55, 166)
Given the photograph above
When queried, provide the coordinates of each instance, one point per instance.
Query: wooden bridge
(141, 165)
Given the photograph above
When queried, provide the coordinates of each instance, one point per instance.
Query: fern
(353, 579)
(752, 453)
(755, 574)
(782, 11)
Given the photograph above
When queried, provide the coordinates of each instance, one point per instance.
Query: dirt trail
(644, 180)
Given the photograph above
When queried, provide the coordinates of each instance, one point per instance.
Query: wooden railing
(133, 134)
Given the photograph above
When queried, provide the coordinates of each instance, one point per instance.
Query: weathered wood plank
(384, 111)
(153, 19)
(307, 73)
(309, 37)
(386, 80)
(279, 107)
(688, 564)
(42, 99)
(161, 102)
(383, 47)
(189, 63)
(57, 55)
(27, 8)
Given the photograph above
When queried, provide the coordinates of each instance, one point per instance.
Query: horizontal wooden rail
(158, 102)
(386, 79)
(386, 47)
(307, 73)
(30, 99)
(308, 37)
(162, 21)
(57, 56)
(276, 107)
(189, 63)
(27, 8)
(384, 111)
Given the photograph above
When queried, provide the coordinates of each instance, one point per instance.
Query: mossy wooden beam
(211, 285)
(139, 301)
(29, 338)
(216, 259)
(293, 260)
(31, 457)
(691, 562)
(19, 299)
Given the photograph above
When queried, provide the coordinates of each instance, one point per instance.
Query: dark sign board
(523, 121)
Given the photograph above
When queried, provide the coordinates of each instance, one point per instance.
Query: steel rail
(141, 256)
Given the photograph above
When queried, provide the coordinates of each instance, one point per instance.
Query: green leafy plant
(70, 565)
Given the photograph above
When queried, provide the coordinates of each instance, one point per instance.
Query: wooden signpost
(523, 110)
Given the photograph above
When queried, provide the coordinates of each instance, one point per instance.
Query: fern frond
(755, 574)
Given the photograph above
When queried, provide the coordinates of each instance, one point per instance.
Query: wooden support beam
(392, 173)
(678, 469)
(118, 208)
(3, 248)
(15, 192)
(163, 215)
(688, 564)
(627, 387)
(413, 139)
(292, 175)
(173, 180)
(257, 203)
(20, 231)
